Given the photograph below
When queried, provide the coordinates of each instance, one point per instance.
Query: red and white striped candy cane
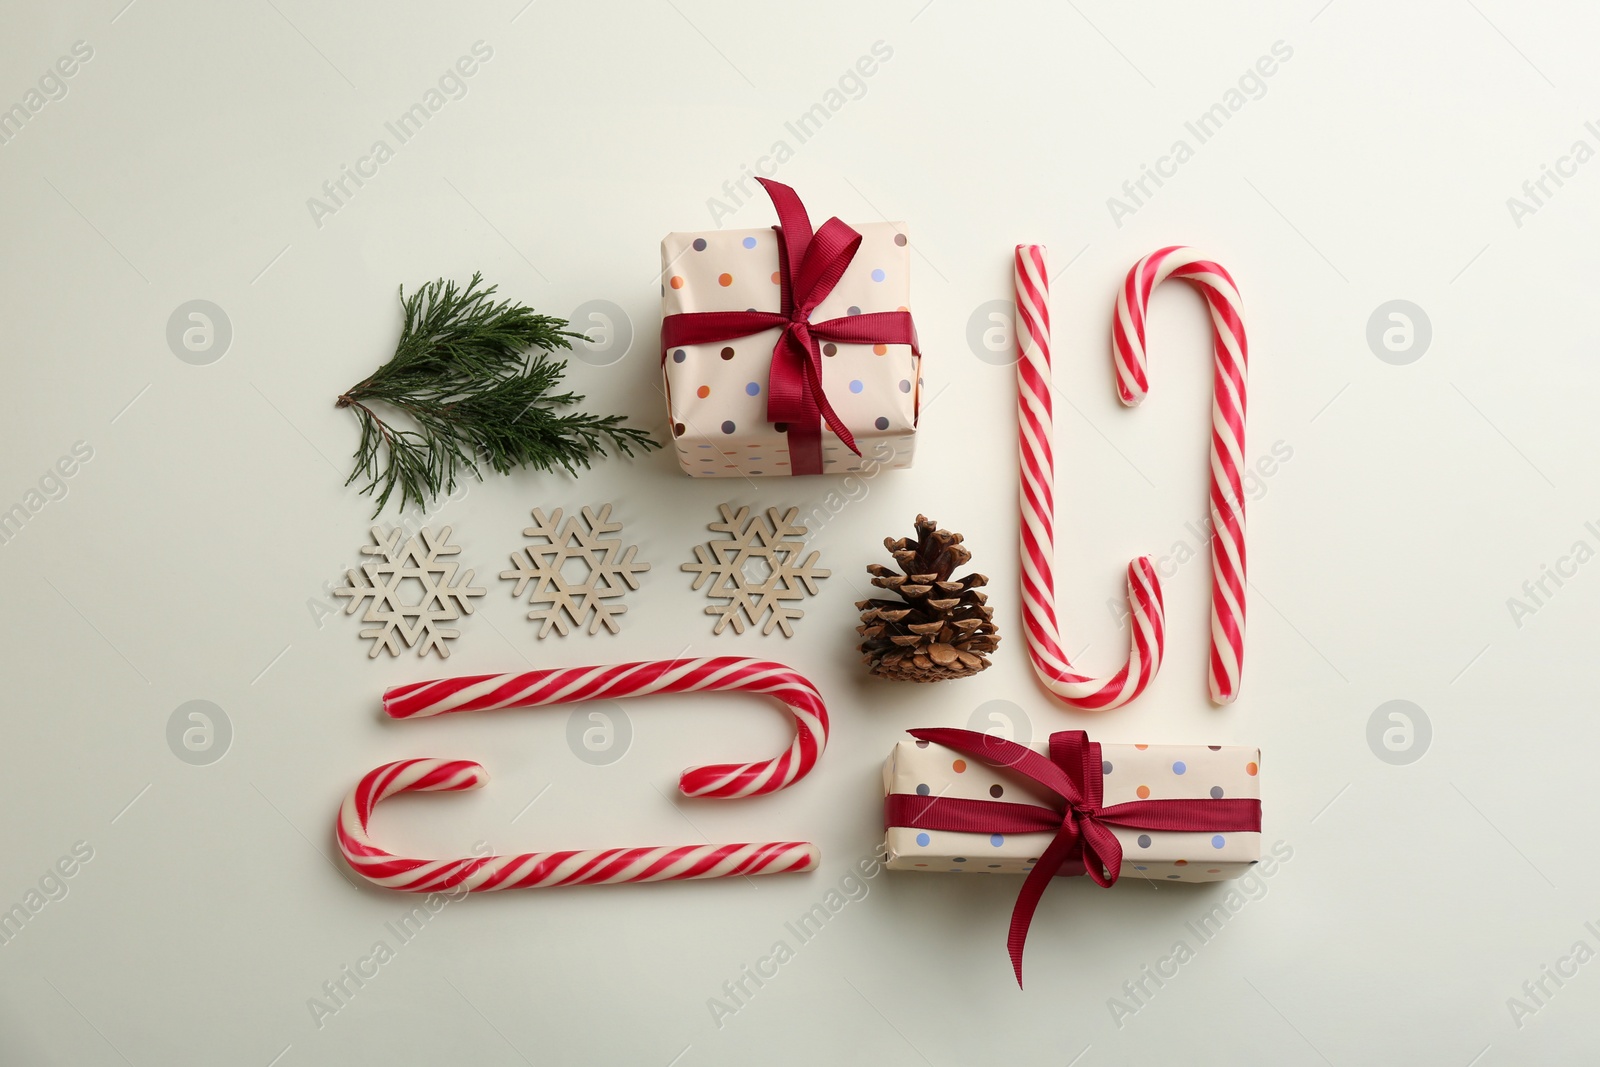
(1227, 431)
(570, 685)
(533, 870)
(1035, 426)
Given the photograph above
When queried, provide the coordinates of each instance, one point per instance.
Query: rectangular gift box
(717, 392)
(1131, 772)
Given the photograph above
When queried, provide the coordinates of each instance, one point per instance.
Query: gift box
(790, 352)
(1129, 773)
(963, 801)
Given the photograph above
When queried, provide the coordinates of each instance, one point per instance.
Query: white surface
(180, 564)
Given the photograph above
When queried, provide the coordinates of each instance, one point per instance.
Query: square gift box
(718, 391)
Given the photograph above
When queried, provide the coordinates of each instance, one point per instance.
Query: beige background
(1405, 505)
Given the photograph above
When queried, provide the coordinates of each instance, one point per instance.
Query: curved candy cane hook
(1145, 608)
(1227, 431)
(533, 870)
(570, 685)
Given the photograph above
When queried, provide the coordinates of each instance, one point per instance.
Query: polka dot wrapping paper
(717, 393)
(1132, 772)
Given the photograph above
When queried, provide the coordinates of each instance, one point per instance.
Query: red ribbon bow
(1083, 843)
(794, 388)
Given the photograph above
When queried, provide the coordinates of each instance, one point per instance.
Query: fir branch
(461, 375)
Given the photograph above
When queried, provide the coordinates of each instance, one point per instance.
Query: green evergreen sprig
(462, 376)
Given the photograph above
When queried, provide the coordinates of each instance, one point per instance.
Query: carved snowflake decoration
(609, 571)
(724, 567)
(416, 567)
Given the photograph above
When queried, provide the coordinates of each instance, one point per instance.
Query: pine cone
(940, 628)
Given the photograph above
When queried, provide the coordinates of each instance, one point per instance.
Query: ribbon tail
(1033, 887)
(841, 431)
(824, 406)
(1102, 854)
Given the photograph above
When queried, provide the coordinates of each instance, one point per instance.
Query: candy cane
(533, 870)
(1227, 431)
(565, 686)
(1038, 523)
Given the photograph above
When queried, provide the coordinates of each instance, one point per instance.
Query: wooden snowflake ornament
(773, 546)
(401, 571)
(609, 571)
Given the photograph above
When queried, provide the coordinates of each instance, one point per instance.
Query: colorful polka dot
(703, 392)
(880, 350)
(749, 242)
(1141, 748)
(1216, 792)
(997, 840)
(728, 427)
(857, 385)
(923, 839)
(1140, 867)
(852, 310)
(1215, 748)
(881, 422)
(1144, 840)
(920, 743)
(878, 275)
(753, 389)
(958, 859)
(1213, 870)
(677, 429)
(699, 244)
(1251, 768)
(1105, 766)
(905, 385)
(900, 239)
(997, 790)
(676, 281)
(1217, 841)
(1143, 792)
(959, 766)
(679, 355)
(724, 280)
(1173, 877)
(830, 349)
(783, 427)
(1178, 767)
(1180, 863)
(727, 353)
(777, 279)
(922, 789)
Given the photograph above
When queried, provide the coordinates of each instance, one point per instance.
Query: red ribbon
(795, 397)
(1083, 843)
